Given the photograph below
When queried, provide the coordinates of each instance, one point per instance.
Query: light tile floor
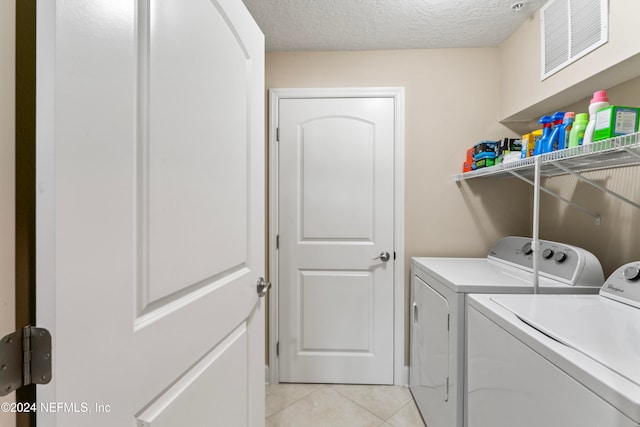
(337, 405)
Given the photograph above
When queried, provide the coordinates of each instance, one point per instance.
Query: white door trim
(400, 371)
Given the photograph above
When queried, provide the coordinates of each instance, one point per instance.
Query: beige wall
(523, 96)
(617, 240)
(451, 104)
(7, 178)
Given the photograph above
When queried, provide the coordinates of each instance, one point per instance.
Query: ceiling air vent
(570, 29)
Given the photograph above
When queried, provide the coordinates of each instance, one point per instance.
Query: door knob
(384, 256)
(263, 287)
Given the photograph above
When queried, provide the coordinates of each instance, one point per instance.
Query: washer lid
(604, 330)
(482, 275)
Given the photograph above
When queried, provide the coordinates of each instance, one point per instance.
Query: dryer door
(433, 321)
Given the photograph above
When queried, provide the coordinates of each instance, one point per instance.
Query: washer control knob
(631, 273)
(560, 257)
(547, 253)
(527, 249)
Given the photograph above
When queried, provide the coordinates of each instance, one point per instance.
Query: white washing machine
(557, 360)
(439, 288)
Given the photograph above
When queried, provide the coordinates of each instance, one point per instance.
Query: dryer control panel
(566, 263)
(624, 284)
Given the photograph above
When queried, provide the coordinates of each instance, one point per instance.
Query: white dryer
(439, 288)
(557, 360)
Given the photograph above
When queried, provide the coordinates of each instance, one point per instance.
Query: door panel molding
(225, 365)
(315, 288)
(400, 368)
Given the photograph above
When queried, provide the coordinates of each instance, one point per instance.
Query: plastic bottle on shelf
(576, 135)
(551, 143)
(546, 122)
(598, 101)
(567, 124)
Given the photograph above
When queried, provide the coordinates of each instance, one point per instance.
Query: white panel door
(336, 207)
(150, 212)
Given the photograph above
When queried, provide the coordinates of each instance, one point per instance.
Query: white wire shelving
(609, 153)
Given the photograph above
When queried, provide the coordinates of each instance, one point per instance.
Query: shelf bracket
(582, 209)
(598, 186)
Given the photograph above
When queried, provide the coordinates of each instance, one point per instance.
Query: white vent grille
(570, 30)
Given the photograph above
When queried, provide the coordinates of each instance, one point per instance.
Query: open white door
(150, 212)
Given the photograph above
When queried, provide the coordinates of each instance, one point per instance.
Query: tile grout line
(332, 387)
(375, 415)
(400, 409)
(356, 403)
(296, 401)
(353, 401)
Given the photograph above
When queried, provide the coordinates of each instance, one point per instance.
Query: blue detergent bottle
(546, 122)
(565, 129)
(552, 143)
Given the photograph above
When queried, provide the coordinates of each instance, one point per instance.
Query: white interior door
(150, 217)
(336, 217)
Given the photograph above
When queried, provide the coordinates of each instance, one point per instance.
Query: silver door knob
(384, 256)
(263, 287)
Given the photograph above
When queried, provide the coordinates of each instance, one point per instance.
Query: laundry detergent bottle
(576, 135)
(598, 101)
(552, 143)
(546, 122)
(565, 130)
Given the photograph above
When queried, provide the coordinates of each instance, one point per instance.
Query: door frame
(400, 371)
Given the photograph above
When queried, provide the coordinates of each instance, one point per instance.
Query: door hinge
(25, 358)
(448, 322)
(278, 134)
(394, 255)
(447, 386)
(278, 348)
(277, 241)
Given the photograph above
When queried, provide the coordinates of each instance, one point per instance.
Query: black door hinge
(25, 358)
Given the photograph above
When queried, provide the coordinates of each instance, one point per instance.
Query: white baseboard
(403, 380)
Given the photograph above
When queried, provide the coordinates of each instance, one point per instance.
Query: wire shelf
(606, 154)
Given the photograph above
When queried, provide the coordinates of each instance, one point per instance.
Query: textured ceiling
(302, 25)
